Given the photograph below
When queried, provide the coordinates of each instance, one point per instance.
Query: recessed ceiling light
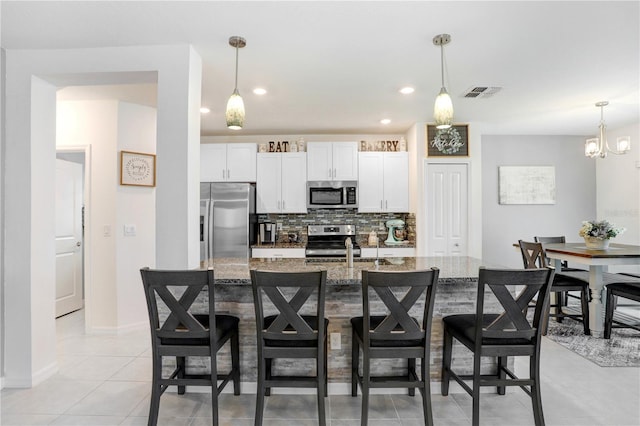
(407, 90)
(205, 110)
(259, 91)
(385, 121)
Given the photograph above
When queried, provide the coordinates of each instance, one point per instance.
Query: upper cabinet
(281, 183)
(332, 161)
(383, 182)
(228, 162)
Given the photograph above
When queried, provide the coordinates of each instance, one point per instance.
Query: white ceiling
(336, 67)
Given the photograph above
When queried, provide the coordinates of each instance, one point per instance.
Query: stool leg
(366, 367)
(608, 316)
(355, 360)
(268, 365)
(321, 390)
(411, 372)
(182, 365)
(446, 362)
(584, 302)
(427, 410)
(260, 391)
(502, 362)
(536, 398)
(235, 362)
(475, 416)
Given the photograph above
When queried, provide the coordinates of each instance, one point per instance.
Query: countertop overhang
(235, 271)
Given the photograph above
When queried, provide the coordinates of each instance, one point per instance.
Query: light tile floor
(104, 380)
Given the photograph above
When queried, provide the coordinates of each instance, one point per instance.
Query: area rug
(622, 350)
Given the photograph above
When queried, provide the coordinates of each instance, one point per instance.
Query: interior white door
(447, 200)
(69, 190)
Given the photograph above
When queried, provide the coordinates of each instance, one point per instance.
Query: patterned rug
(622, 350)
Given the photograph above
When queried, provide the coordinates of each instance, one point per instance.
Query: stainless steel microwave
(332, 194)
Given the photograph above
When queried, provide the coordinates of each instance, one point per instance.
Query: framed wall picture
(451, 142)
(527, 184)
(137, 169)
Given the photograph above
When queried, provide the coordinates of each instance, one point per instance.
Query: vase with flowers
(596, 234)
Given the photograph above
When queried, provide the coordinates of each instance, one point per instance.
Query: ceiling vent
(481, 92)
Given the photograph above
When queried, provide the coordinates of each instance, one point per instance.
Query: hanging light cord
(442, 63)
(236, 85)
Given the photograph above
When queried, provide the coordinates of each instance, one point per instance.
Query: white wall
(114, 298)
(135, 206)
(29, 269)
(504, 225)
(618, 190)
(94, 123)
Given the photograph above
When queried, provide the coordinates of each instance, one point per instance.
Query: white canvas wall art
(527, 184)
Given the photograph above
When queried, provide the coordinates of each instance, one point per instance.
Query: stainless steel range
(329, 240)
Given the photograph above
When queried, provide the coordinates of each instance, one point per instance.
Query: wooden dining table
(598, 262)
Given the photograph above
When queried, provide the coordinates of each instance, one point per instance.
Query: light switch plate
(129, 230)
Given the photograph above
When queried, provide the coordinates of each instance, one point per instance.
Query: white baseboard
(35, 379)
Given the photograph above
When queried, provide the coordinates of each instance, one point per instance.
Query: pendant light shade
(599, 146)
(443, 107)
(235, 104)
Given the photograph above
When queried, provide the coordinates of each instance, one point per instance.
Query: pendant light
(598, 147)
(443, 108)
(235, 105)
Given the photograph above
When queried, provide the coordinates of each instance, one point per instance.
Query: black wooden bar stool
(501, 335)
(177, 331)
(290, 334)
(394, 334)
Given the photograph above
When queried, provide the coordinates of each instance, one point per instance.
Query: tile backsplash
(365, 222)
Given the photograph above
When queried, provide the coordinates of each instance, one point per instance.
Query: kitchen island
(456, 293)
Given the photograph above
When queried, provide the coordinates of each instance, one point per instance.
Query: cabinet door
(294, 183)
(345, 160)
(370, 182)
(213, 162)
(319, 161)
(268, 183)
(396, 182)
(241, 162)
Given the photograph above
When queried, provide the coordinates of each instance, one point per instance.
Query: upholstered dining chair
(394, 333)
(533, 256)
(179, 331)
(501, 335)
(290, 333)
(626, 290)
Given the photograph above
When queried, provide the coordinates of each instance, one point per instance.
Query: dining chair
(533, 256)
(179, 331)
(289, 333)
(500, 335)
(626, 290)
(394, 333)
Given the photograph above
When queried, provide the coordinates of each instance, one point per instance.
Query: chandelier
(599, 146)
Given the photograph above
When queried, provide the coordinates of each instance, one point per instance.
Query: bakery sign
(137, 169)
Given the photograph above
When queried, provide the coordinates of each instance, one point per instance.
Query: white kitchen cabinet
(383, 251)
(232, 162)
(383, 182)
(281, 182)
(269, 253)
(332, 161)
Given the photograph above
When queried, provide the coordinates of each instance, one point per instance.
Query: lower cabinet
(268, 253)
(388, 252)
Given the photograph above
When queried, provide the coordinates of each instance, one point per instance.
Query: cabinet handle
(222, 174)
(330, 172)
(283, 207)
(334, 173)
(386, 205)
(278, 204)
(228, 174)
(380, 204)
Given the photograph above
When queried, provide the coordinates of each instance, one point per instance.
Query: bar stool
(183, 333)
(289, 334)
(509, 333)
(395, 334)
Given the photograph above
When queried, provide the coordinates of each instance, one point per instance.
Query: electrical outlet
(336, 343)
(279, 226)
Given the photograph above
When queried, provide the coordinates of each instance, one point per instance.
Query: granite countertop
(362, 243)
(279, 245)
(233, 271)
(405, 244)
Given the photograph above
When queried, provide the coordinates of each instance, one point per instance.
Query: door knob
(78, 244)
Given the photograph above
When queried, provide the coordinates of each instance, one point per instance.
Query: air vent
(481, 92)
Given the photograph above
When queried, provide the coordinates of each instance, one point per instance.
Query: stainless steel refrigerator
(227, 220)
